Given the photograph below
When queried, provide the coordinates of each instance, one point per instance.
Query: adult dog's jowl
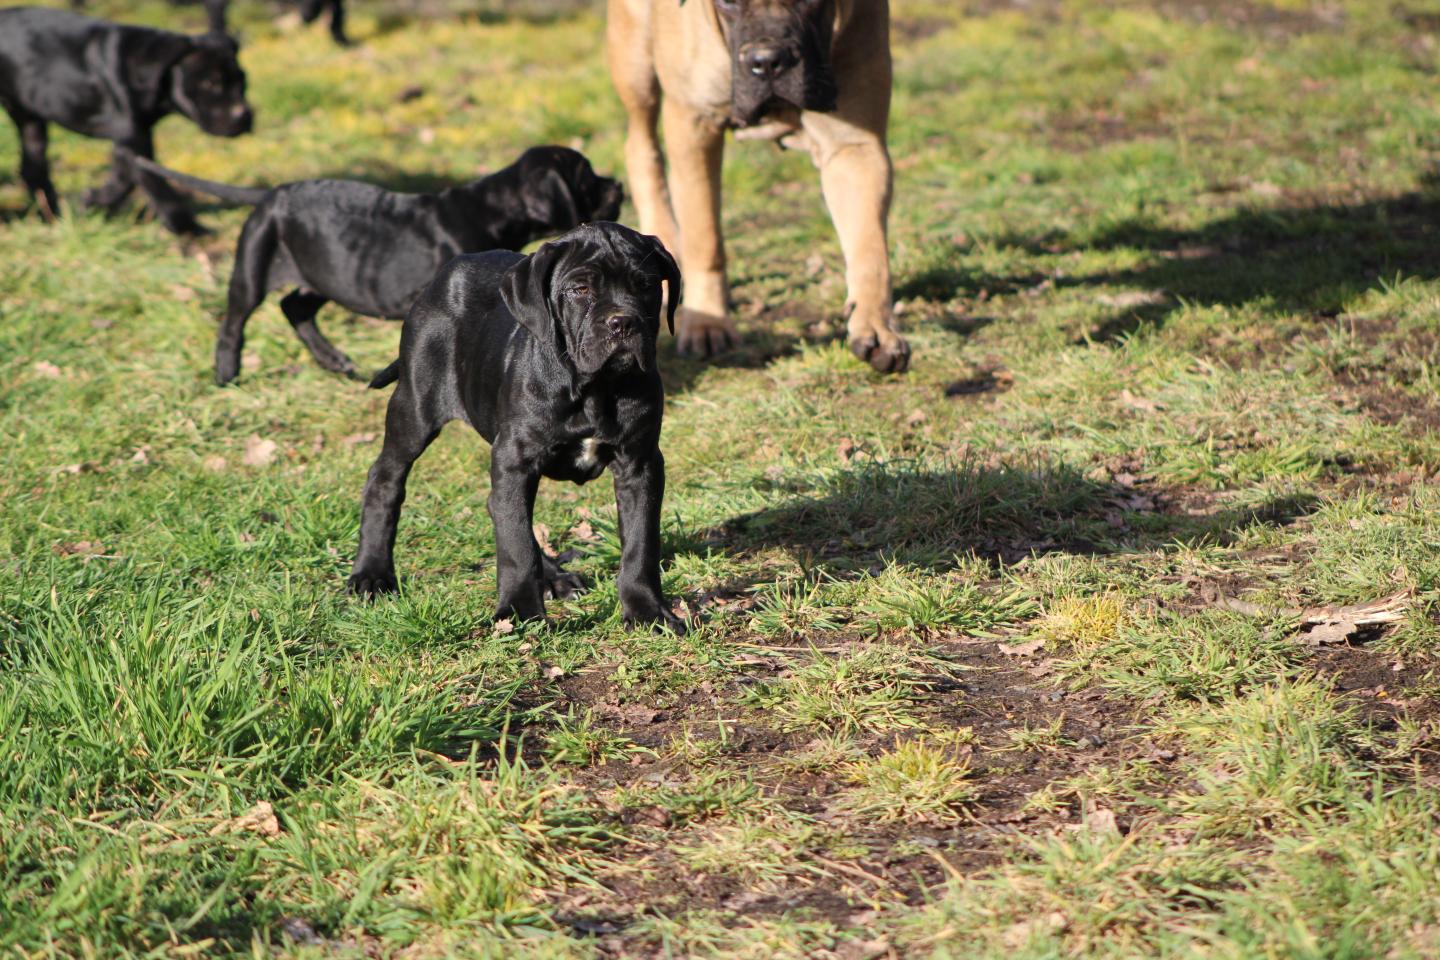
(811, 73)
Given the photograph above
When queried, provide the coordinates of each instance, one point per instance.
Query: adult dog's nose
(620, 325)
(767, 59)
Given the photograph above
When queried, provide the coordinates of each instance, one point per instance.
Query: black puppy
(115, 82)
(371, 250)
(551, 357)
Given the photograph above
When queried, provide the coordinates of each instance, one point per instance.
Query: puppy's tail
(386, 377)
(248, 196)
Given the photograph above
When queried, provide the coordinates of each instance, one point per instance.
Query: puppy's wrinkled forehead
(619, 261)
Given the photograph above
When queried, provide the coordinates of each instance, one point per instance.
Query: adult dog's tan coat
(670, 60)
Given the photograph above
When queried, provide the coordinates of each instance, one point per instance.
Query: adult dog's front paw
(872, 338)
(369, 584)
(889, 354)
(703, 335)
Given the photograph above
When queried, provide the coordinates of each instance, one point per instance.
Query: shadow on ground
(924, 518)
(1309, 258)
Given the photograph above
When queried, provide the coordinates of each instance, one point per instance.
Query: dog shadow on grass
(931, 520)
(1309, 259)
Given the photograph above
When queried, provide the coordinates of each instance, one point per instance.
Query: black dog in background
(551, 358)
(215, 11)
(114, 82)
(371, 250)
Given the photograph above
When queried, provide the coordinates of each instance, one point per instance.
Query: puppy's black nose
(767, 59)
(621, 325)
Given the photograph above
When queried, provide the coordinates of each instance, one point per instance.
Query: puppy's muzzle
(622, 326)
(768, 60)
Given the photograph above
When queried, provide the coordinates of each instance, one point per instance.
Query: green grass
(973, 673)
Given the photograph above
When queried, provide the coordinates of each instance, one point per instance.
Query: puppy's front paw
(703, 335)
(661, 618)
(369, 584)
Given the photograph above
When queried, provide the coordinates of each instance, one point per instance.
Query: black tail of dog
(246, 196)
(386, 377)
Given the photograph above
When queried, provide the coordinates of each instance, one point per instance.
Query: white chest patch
(589, 457)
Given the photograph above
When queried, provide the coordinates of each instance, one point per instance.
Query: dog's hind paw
(369, 585)
(564, 586)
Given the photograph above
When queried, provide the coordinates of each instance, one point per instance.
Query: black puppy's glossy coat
(551, 358)
(115, 82)
(371, 250)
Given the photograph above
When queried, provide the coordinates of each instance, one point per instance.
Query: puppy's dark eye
(580, 290)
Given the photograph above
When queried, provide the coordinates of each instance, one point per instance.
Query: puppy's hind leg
(407, 433)
(300, 309)
(35, 165)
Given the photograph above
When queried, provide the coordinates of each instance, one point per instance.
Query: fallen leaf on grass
(259, 819)
(846, 449)
(141, 455)
(47, 369)
(1026, 649)
(89, 466)
(214, 463)
(1140, 403)
(542, 537)
(1019, 934)
(1130, 299)
(84, 548)
(584, 531)
(259, 452)
(503, 627)
(1331, 623)
(1099, 823)
(356, 439)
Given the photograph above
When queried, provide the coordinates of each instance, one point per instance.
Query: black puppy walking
(371, 250)
(551, 358)
(115, 82)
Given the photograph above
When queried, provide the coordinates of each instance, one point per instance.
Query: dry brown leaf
(259, 452)
(1019, 934)
(182, 293)
(846, 449)
(259, 819)
(85, 548)
(1140, 403)
(141, 455)
(358, 438)
(583, 531)
(542, 537)
(215, 463)
(503, 627)
(1337, 631)
(1026, 649)
(46, 369)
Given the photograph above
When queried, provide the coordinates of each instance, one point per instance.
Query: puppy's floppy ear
(552, 201)
(525, 288)
(670, 271)
(146, 59)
